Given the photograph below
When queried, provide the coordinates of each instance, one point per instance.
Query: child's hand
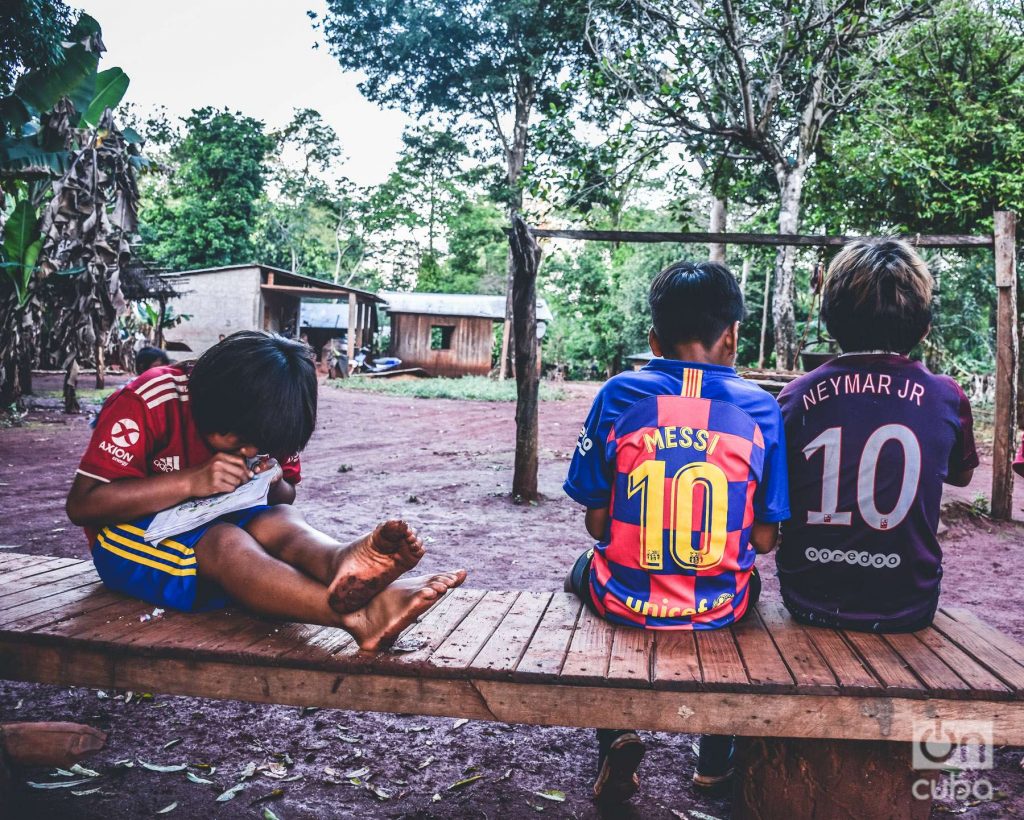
(223, 473)
(269, 464)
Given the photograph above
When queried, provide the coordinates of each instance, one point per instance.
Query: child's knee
(219, 545)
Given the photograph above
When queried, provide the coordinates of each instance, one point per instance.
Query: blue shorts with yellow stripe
(165, 574)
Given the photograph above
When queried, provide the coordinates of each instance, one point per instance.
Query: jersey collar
(679, 365)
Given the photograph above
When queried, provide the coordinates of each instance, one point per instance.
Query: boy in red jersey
(872, 437)
(681, 466)
(196, 430)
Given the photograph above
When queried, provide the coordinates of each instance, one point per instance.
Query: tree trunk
(101, 369)
(745, 276)
(71, 404)
(716, 250)
(526, 259)
(764, 315)
(791, 182)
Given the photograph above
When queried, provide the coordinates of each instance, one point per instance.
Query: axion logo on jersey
(167, 464)
(125, 432)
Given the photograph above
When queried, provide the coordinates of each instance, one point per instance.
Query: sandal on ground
(617, 780)
(713, 783)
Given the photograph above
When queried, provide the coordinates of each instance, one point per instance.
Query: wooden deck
(522, 657)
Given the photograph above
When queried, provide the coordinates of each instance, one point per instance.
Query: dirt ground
(446, 466)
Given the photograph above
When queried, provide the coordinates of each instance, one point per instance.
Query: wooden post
(1005, 421)
(764, 314)
(353, 320)
(525, 261)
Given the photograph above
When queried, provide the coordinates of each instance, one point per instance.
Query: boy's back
(685, 455)
(871, 438)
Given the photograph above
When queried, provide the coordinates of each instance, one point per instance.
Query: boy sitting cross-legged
(681, 466)
(872, 437)
(197, 429)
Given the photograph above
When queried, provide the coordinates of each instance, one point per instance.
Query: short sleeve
(291, 469)
(118, 447)
(771, 498)
(964, 455)
(592, 469)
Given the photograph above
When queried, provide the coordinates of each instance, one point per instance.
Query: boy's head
(257, 390)
(696, 305)
(148, 357)
(877, 296)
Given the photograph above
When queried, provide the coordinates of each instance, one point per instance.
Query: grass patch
(468, 388)
(86, 394)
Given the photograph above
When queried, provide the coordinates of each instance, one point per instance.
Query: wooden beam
(545, 704)
(918, 240)
(1005, 433)
(320, 293)
(353, 320)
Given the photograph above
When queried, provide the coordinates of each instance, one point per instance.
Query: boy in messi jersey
(681, 467)
(872, 437)
(198, 429)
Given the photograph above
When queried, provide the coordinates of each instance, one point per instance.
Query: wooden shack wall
(469, 354)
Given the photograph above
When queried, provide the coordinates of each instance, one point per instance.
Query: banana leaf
(110, 88)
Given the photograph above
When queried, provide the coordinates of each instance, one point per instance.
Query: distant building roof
(281, 277)
(455, 304)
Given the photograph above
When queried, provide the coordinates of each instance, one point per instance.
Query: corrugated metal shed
(455, 304)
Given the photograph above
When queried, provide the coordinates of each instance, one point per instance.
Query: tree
(207, 214)
(755, 84)
(33, 31)
(59, 148)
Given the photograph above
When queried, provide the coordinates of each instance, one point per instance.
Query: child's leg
(354, 573)
(231, 557)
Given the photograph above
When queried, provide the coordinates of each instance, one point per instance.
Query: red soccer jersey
(147, 428)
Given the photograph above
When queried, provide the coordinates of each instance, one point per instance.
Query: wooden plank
(19, 579)
(458, 650)
(929, 241)
(629, 663)
(49, 583)
(590, 650)
(929, 667)
(765, 667)
(82, 625)
(983, 682)
(1005, 415)
(720, 663)
(18, 560)
(850, 671)
(979, 646)
(1007, 645)
(54, 608)
(890, 669)
(503, 649)
(809, 670)
(318, 648)
(290, 637)
(676, 662)
(544, 703)
(545, 655)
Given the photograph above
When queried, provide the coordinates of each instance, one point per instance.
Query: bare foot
(50, 744)
(368, 565)
(376, 625)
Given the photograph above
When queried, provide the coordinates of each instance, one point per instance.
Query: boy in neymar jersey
(198, 429)
(872, 436)
(681, 467)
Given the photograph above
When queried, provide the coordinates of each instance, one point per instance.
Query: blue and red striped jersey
(686, 457)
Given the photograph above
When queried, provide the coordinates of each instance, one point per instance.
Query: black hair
(694, 301)
(877, 296)
(148, 357)
(259, 386)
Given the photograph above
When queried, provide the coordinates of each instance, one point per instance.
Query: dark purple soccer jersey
(870, 440)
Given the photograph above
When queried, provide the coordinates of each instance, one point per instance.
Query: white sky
(256, 57)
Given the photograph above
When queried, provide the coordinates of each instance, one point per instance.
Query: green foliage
(21, 246)
(207, 214)
(33, 31)
(468, 388)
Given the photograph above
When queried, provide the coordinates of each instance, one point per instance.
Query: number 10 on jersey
(649, 481)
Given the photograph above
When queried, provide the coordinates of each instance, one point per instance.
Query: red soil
(445, 467)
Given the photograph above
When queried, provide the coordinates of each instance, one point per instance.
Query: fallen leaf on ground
(271, 795)
(171, 743)
(231, 793)
(426, 762)
(365, 770)
(463, 783)
(63, 784)
(269, 815)
(84, 772)
(168, 809)
(459, 722)
(170, 767)
(84, 792)
(202, 781)
(554, 795)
